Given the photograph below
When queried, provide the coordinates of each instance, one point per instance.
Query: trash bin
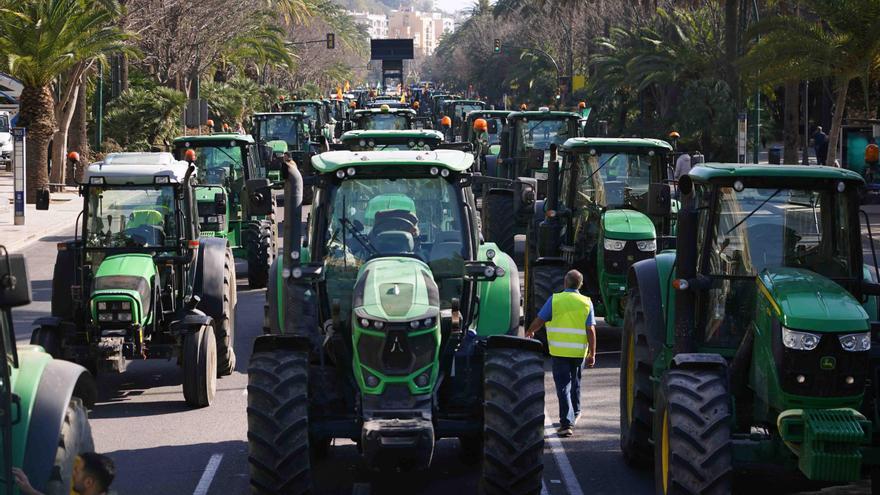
(774, 155)
(42, 199)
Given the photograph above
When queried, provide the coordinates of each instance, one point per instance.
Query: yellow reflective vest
(566, 332)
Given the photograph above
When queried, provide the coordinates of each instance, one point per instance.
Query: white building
(376, 24)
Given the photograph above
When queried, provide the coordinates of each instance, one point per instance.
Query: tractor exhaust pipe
(293, 196)
(686, 269)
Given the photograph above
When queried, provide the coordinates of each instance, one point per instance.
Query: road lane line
(571, 483)
(544, 488)
(208, 475)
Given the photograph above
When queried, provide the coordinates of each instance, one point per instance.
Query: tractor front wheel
(278, 422)
(200, 367)
(75, 439)
(513, 416)
(48, 338)
(692, 448)
(260, 244)
(636, 389)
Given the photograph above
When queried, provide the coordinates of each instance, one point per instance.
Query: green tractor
(754, 344)
(495, 120)
(384, 118)
(139, 282)
(416, 139)
(285, 132)
(458, 110)
(389, 323)
(44, 421)
(522, 164)
(224, 163)
(317, 117)
(607, 208)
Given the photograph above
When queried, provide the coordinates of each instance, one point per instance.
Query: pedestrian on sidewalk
(571, 336)
(820, 145)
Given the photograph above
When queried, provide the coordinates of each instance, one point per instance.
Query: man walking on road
(571, 335)
(820, 144)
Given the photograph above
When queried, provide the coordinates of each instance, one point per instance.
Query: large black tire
(636, 389)
(260, 244)
(278, 423)
(224, 326)
(49, 338)
(692, 422)
(541, 282)
(499, 221)
(75, 438)
(200, 367)
(513, 422)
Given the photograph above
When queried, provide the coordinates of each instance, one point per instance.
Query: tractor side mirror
(535, 159)
(259, 193)
(265, 153)
(15, 287)
(220, 201)
(659, 199)
(275, 162)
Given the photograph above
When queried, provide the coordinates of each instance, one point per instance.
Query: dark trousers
(567, 376)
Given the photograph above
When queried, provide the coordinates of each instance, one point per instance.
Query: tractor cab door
(9, 411)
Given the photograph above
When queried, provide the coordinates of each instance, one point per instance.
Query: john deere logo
(828, 362)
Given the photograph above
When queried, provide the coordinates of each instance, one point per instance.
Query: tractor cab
(405, 316)
(458, 111)
(383, 118)
(317, 117)
(766, 309)
(415, 140)
(279, 133)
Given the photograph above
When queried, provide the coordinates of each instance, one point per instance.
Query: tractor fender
(191, 322)
(512, 342)
(499, 297)
(643, 277)
(265, 343)
(699, 360)
(63, 278)
(209, 275)
(48, 321)
(59, 382)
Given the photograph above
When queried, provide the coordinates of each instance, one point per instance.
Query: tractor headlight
(800, 341)
(124, 317)
(102, 306)
(126, 305)
(856, 342)
(105, 316)
(646, 246)
(614, 245)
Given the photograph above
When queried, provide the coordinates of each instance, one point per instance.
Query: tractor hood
(395, 289)
(125, 277)
(805, 300)
(627, 225)
(132, 265)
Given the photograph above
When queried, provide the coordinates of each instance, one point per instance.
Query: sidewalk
(59, 219)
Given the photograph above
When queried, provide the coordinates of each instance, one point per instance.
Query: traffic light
(331, 41)
(497, 45)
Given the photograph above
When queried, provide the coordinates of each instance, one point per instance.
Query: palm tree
(41, 40)
(836, 39)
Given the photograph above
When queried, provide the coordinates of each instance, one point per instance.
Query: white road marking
(544, 488)
(572, 485)
(360, 489)
(208, 475)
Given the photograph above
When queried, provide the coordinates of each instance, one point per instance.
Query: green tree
(141, 118)
(41, 40)
(836, 39)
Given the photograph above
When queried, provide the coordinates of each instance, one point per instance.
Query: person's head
(93, 473)
(573, 280)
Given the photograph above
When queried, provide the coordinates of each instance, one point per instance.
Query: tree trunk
(59, 139)
(836, 121)
(37, 115)
(791, 122)
(78, 139)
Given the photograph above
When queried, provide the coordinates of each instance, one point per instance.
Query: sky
(453, 5)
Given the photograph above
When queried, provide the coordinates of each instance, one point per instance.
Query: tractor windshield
(312, 112)
(139, 217)
(285, 128)
(612, 180)
(219, 164)
(540, 134)
(384, 122)
(370, 217)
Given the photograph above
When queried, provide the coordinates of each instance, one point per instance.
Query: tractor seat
(394, 242)
(145, 217)
(393, 220)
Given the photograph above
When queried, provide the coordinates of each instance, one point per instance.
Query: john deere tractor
(389, 323)
(224, 163)
(754, 344)
(44, 424)
(285, 132)
(317, 117)
(138, 281)
(522, 161)
(606, 208)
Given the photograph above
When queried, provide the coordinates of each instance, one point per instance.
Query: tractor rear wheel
(48, 338)
(499, 221)
(636, 389)
(278, 422)
(75, 439)
(224, 326)
(260, 245)
(692, 451)
(513, 416)
(541, 282)
(200, 367)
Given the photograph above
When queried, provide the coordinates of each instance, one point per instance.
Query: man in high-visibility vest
(571, 336)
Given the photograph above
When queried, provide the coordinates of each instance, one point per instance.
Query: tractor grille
(397, 353)
(618, 262)
(820, 382)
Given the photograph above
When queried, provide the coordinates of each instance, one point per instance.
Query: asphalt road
(162, 446)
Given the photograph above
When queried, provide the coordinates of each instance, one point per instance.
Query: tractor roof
(454, 160)
(137, 168)
(708, 171)
(365, 111)
(469, 102)
(307, 102)
(579, 144)
(270, 114)
(216, 138)
(402, 134)
(543, 115)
